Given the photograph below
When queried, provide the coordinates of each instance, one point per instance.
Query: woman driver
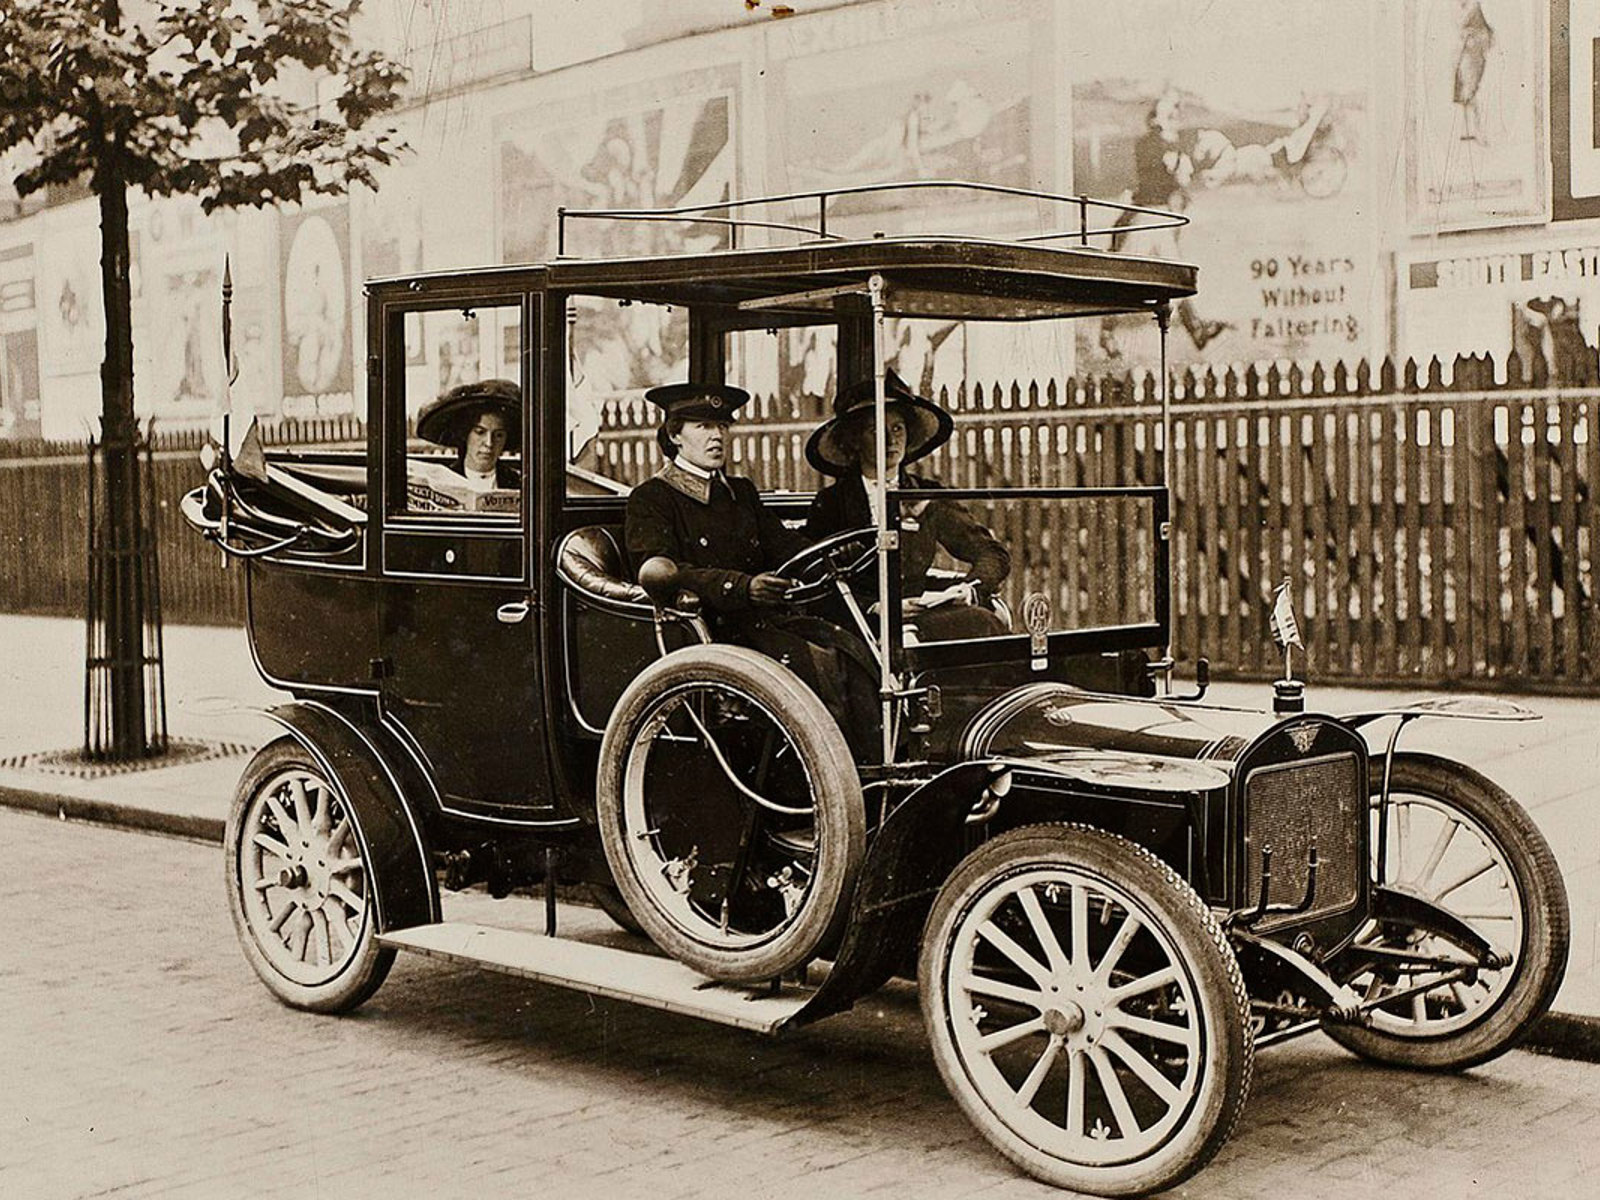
(846, 447)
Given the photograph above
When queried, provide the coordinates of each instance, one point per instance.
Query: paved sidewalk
(214, 696)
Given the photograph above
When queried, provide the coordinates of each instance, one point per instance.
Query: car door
(461, 666)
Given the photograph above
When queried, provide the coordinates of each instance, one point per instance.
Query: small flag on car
(1285, 629)
(240, 442)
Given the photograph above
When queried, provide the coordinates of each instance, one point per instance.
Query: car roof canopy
(950, 275)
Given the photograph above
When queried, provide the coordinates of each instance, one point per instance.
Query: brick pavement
(142, 1059)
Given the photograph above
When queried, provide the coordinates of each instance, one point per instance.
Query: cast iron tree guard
(124, 592)
(187, 101)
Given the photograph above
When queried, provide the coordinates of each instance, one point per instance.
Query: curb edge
(122, 816)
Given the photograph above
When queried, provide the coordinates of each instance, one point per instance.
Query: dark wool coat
(719, 539)
(924, 528)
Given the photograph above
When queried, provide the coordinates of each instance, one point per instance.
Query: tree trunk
(122, 603)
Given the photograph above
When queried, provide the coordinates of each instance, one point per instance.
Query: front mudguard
(907, 862)
(351, 751)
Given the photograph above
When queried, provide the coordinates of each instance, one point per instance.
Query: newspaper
(435, 487)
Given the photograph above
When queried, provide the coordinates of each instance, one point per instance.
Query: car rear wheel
(298, 884)
(731, 812)
(1462, 843)
(1086, 1010)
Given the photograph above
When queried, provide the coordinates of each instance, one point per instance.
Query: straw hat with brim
(694, 402)
(832, 448)
(447, 421)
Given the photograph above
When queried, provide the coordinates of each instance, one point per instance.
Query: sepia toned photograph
(846, 597)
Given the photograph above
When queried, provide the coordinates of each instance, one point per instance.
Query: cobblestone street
(141, 1058)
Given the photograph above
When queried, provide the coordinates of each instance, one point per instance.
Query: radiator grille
(1292, 805)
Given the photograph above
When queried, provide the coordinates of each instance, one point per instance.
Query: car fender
(351, 751)
(1455, 708)
(916, 849)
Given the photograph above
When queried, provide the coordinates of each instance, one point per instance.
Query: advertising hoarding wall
(1323, 152)
(1265, 143)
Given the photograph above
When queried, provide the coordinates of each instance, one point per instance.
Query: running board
(646, 979)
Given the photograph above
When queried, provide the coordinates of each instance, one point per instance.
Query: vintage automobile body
(1110, 896)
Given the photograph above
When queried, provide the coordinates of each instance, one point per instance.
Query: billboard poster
(903, 93)
(457, 348)
(19, 384)
(391, 244)
(19, 344)
(1541, 300)
(71, 307)
(888, 93)
(659, 144)
(183, 366)
(177, 317)
(1475, 144)
(315, 246)
(1264, 143)
(1574, 109)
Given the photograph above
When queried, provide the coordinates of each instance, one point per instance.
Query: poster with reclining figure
(1264, 143)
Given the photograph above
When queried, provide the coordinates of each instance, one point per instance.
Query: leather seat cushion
(591, 560)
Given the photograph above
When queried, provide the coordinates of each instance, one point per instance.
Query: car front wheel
(1086, 1010)
(1459, 842)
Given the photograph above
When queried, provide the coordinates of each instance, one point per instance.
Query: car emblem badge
(1303, 736)
(1036, 620)
(1058, 714)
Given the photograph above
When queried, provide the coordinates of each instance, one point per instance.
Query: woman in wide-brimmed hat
(480, 422)
(846, 446)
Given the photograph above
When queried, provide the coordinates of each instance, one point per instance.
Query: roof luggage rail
(1123, 218)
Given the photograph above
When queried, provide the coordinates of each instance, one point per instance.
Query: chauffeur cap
(698, 401)
(694, 402)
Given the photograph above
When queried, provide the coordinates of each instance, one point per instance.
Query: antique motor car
(1109, 894)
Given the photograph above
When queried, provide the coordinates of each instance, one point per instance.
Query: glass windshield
(976, 564)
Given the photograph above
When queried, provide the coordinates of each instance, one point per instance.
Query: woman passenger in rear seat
(480, 422)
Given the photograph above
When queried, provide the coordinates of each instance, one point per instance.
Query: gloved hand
(768, 588)
(956, 593)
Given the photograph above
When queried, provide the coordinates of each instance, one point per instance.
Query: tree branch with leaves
(214, 99)
(235, 103)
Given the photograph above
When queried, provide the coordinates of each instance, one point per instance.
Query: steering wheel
(842, 556)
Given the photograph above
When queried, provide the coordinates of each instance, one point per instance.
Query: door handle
(512, 614)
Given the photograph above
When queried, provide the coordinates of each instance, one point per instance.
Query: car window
(616, 350)
(464, 410)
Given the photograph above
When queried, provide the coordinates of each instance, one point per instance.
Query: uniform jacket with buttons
(720, 537)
